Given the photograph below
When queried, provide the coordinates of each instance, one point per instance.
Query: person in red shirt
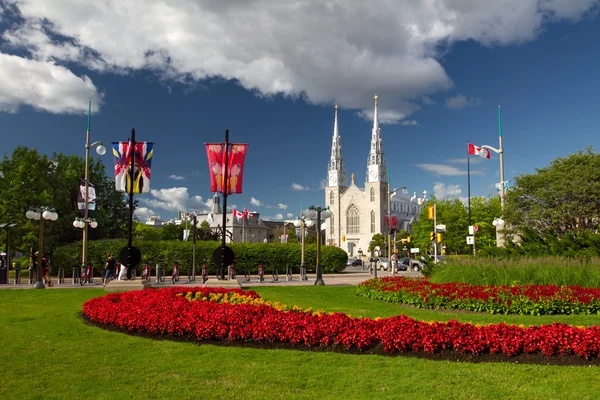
(45, 270)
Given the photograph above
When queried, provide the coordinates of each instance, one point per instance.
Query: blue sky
(271, 72)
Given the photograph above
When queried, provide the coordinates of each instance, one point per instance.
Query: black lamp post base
(319, 281)
(39, 285)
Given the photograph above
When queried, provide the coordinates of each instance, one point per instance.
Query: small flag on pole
(478, 151)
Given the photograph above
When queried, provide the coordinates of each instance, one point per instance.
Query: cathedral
(358, 213)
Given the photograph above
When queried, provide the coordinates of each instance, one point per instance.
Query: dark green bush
(165, 253)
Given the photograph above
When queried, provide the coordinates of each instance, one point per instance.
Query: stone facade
(248, 230)
(358, 213)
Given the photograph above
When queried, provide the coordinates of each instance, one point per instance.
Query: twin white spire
(336, 163)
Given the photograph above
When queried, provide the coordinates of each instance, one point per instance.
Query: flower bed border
(373, 347)
(518, 299)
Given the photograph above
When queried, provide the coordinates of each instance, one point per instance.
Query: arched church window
(372, 194)
(331, 197)
(372, 221)
(353, 220)
(332, 224)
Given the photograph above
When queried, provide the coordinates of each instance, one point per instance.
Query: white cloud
(174, 199)
(427, 101)
(289, 215)
(256, 202)
(474, 160)
(277, 217)
(440, 169)
(409, 122)
(175, 177)
(299, 187)
(460, 101)
(282, 206)
(443, 191)
(45, 86)
(351, 51)
(143, 213)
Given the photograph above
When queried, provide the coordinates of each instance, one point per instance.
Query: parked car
(383, 263)
(354, 262)
(408, 264)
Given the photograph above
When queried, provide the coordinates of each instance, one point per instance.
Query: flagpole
(86, 184)
(469, 182)
(244, 226)
(502, 193)
(225, 188)
(131, 182)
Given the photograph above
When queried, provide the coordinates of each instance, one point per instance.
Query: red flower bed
(518, 299)
(167, 311)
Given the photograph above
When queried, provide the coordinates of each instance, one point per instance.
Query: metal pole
(501, 160)
(194, 250)
(7, 251)
(319, 280)
(224, 186)
(469, 195)
(131, 182)
(302, 245)
(39, 284)
(434, 234)
(389, 220)
(85, 213)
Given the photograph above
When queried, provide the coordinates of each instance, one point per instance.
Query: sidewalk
(351, 276)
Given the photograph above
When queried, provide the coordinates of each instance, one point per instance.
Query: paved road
(350, 276)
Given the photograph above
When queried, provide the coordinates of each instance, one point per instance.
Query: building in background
(359, 211)
(250, 229)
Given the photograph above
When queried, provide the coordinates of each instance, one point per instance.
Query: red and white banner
(478, 151)
(235, 167)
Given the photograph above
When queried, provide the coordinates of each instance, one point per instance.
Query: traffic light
(431, 236)
(408, 239)
(439, 238)
(430, 212)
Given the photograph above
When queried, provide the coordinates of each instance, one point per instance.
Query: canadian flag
(478, 151)
(238, 214)
(249, 213)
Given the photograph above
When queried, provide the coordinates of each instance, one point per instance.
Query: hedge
(166, 252)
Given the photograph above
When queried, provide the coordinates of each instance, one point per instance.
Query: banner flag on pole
(215, 153)
(81, 197)
(143, 161)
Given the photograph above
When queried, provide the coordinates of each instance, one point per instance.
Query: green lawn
(48, 352)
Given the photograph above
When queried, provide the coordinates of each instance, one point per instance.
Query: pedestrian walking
(110, 268)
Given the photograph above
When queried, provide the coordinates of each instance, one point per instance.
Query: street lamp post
(40, 214)
(101, 150)
(499, 223)
(303, 222)
(325, 213)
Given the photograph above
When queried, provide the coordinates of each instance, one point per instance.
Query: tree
(378, 240)
(563, 197)
(455, 215)
(28, 178)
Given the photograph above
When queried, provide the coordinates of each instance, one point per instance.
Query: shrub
(165, 252)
